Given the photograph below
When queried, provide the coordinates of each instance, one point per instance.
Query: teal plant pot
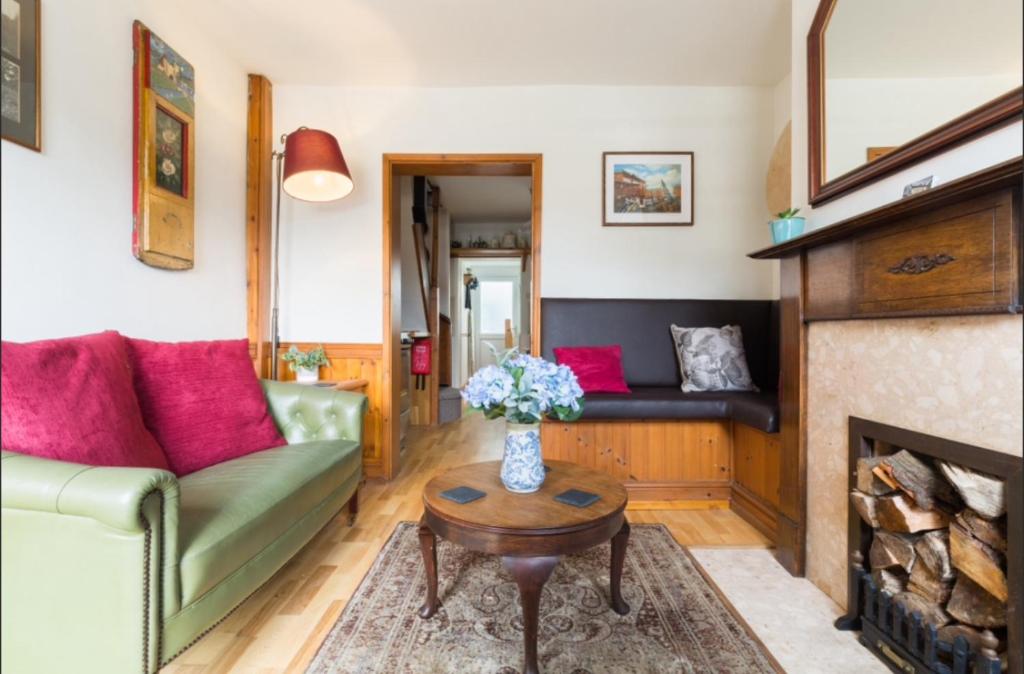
(787, 228)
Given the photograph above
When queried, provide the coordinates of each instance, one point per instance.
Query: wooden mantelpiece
(1007, 174)
(955, 249)
(952, 250)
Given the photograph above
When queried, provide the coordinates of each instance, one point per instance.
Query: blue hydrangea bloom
(524, 389)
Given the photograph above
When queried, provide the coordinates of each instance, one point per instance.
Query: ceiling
(503, 42)
(923, 38)
(471, 199)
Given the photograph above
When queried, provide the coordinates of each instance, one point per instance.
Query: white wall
(67, 266)
(992, 148)
(336, 248)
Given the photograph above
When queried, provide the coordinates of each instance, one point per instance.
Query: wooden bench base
(679, 461)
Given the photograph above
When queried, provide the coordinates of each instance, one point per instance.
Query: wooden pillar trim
(258, 215)
(792, 407)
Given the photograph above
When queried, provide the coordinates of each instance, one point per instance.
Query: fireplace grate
(908, 644)
(900, 631)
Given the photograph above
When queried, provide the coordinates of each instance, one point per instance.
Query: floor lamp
(314, 170)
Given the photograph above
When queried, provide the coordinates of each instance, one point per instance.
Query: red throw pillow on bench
(202, 401)
(598, 368)
(72, 400)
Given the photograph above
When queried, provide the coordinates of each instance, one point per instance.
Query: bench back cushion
(642, 328)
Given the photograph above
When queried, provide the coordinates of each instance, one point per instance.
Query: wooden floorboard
(279, 628)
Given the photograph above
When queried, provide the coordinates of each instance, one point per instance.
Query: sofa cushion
(72, 399)
(759, 410)
(598, 368)
(202, 401)
(231, 511)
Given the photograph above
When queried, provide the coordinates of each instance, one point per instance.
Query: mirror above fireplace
(892, 81)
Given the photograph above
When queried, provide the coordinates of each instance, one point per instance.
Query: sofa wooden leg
(353, 508)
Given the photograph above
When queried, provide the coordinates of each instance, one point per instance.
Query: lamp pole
(275, 335)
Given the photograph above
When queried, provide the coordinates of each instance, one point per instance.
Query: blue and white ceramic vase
(522, 468)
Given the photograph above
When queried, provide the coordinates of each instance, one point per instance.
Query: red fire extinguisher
(421, 360)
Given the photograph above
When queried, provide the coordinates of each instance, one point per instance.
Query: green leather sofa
(112, 570)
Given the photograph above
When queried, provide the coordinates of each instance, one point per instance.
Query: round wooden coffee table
(530, 531)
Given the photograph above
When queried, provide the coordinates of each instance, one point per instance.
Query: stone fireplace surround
(959, 377)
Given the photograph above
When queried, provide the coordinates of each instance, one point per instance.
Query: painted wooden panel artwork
(163, 209)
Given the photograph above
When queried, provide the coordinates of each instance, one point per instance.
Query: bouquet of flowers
(524, 389)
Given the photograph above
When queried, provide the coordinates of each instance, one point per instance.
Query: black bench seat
(641, 327)
(757, 410)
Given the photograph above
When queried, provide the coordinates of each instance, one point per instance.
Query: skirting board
(677, 491)
(756, 511)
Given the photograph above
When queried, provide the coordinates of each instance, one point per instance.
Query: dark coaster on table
(575, 497)
(463, 494)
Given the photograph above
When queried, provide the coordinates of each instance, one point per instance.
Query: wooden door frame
(396, 165)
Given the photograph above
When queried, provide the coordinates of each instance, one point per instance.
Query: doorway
(494, 320)
(503, 304)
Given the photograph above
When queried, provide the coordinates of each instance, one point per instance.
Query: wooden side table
(531, 532)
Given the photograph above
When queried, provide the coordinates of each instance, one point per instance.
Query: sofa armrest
(306, 413)
(100, 543)
(112, 496)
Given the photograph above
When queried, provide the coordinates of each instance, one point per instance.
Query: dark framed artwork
(163, 213)
(20, 73)
(647, 189)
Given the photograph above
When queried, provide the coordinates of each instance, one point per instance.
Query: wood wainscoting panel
(755, 487)
(657, 460)
(355, 361)
(756, 462)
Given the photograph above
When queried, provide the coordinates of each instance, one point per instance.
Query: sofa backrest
(642, 328)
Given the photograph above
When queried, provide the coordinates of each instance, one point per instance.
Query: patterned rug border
(378, 558)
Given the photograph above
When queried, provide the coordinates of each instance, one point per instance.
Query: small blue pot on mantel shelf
(787, 225)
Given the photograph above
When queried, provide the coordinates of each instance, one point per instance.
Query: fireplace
(936, 539)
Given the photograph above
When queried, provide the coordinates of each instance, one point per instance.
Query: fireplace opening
(935, 541)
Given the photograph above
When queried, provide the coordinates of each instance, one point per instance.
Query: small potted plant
(523, 390)
(787, 225)
(306, 366)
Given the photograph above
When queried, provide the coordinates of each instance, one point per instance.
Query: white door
(496, 299)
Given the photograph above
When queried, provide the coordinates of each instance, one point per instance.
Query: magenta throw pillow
(202, 401)
(598, 368)
(72, 399)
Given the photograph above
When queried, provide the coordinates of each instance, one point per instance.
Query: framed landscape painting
(647, 189)
(19, 72)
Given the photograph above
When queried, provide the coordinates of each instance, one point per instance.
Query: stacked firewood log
(939, 541)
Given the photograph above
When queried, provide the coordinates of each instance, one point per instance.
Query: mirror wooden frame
(997, 112)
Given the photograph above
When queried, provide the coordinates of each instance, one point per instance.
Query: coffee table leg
(428, 546)
(530, 573)
(619, 542)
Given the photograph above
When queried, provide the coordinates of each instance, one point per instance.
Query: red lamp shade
(314, 168)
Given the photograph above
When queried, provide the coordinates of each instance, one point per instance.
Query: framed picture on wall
(163, 232)
(20, 73)
(647, 189)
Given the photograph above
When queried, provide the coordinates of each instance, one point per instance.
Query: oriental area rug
(677, 622)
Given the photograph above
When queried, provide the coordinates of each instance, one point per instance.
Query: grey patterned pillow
(712, 359)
